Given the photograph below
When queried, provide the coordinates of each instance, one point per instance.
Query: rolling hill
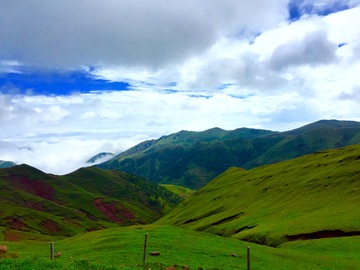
(192, 159)
(34, 204)
(310, 197)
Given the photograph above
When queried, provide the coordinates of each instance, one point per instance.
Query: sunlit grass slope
(34, 204)
(183, 192)
(313, 196)
(122, 248)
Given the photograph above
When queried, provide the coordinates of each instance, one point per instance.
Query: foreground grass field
(122, 248)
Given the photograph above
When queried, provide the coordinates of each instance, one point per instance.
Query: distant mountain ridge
(6, 164)
(33, 202)
(189, 138)
(192, 159)
(101, 157)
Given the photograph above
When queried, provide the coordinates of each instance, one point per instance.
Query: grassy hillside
(313, 196)
(34, 204)
(179, 158)
(192, 159)
(179, 190)
(122, 248)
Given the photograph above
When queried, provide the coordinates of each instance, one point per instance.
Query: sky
(82, 77)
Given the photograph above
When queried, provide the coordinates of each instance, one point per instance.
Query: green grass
(122, 248)
(266, 204)
(183, 192)
(338, 251)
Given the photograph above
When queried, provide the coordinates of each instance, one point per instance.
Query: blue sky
(56, 83)
(79, 79)
(300, 8)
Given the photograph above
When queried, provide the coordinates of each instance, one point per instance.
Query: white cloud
(353, 94)
(58, 155)
(193, 66)
(315, 49)
(61, 144)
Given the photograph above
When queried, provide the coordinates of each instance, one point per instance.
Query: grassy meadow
(122, 248)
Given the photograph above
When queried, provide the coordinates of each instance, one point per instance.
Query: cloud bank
(154, 68)
(65, 34)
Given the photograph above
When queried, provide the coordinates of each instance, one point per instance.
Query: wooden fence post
(248, 258)
(145, 247)
(52, 251)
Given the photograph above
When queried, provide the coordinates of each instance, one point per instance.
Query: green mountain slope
(313, 196)
(33, 203)
(192, 159)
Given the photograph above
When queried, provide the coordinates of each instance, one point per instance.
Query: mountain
(101, 157)
(35, 203)
(6, 164)
(310, 197)
(192, 159)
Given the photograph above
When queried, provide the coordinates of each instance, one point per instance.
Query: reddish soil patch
(16, 223)
(126, 214)
(109, 209)
(50, 225)
(12, 236)
(36, 206)
(112, 211)
(36, 187)
(175, 267)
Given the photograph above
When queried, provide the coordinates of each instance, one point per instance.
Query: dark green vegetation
(192, 159)
(34, 204)
(122, 248)
(310, 197)
(6, 164)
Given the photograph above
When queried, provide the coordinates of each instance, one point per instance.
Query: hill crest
(192, 159)
(35, 203)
